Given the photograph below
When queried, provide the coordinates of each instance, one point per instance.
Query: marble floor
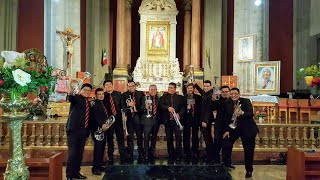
(261, 172)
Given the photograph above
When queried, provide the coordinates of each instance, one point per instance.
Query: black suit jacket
(206, 105)
(152, 120)
(246, 126)
(197, 109)
(117, 99)
(224, 108)
(99, 115)
(77, 114)
(179, 104)
(139, 98)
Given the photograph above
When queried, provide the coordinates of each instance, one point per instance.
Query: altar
(157, 63)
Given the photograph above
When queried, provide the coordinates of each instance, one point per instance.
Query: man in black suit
(219, 106)
(191, 121)
(150, 121)
(246, 129)
(100, 113)
(78, 130)
(206, 117)
(170, 103)
(113, 99)
(133, 101)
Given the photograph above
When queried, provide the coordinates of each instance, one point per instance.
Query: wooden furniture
(269, 107)
(302, 165)
(59, 108)
(293, 109)
(305, 109)
(283, 108)
(49, 168)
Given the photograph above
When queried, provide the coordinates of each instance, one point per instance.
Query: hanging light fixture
(257, 2)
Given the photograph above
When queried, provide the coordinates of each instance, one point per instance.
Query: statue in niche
(69, 38)
(63, 85)
(175, 67)
(138, 68)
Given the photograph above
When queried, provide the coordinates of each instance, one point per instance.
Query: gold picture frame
(246, 48)
(158, 38)
(267, 77)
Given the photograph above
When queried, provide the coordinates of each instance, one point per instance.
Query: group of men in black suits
(144, 114)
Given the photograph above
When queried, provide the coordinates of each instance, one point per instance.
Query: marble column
(128, 33)
(120, 68)
(196, 37)
(187, 34)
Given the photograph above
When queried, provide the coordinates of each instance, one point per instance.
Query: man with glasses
(170, 103)
(219, 106)
(78, 130)
(113, 100)
(245, 128)
(206, 117)
(133, 103)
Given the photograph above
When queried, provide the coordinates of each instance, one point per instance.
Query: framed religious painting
(246, 48)
(158, 37)
(266, 78)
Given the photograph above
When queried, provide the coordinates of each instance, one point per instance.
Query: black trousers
(172, 127)
(150, 131)
(191, 127)
(76, 141)
(217, 145)
(134, 126)
(248, 146)
(99, 148)
(118, 128)
(207, 136)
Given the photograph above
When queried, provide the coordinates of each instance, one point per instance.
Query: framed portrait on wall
(246, 48)
(266, 77)
(158, 37)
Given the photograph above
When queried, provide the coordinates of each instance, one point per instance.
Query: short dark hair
(106, 81)
(173, 84)
(97, 90)
(86, 85)
(236, 89)
(131, 81)
(222, 87)
(190, 84)
(207, 81)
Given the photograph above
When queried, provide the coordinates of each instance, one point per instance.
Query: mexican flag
(104, 59)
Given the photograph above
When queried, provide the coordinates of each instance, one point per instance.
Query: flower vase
(260, 120)
(315, 90)
(13, 103)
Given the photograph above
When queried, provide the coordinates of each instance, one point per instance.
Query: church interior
(269, 49)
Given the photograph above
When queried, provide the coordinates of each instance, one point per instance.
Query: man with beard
(133, 103)
(191, 122)
(113, 100)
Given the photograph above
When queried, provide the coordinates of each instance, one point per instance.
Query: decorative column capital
(187, 5)
(129, 3)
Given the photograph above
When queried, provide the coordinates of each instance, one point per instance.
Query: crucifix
(69, 38)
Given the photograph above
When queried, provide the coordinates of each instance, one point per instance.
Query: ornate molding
(187, 5)
(158, 5)
(129, 3)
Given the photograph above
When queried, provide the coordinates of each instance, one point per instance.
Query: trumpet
(149, 106)
(124, 123)
(86, 75)
(235, 115)
(216, 92)
(177, 119)
(132, 108)
(99, 134)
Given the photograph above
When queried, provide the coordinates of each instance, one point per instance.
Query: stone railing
(51, 134)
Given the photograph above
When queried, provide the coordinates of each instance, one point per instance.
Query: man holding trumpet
(173, 106)
(150, 121)
(100, 113)
(133, 102)
(113, 100)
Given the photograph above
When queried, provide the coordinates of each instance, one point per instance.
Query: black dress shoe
(96, 172)
(230, 166)
(248, 174)
(102, 169)
(80, 176)
(69, 178)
